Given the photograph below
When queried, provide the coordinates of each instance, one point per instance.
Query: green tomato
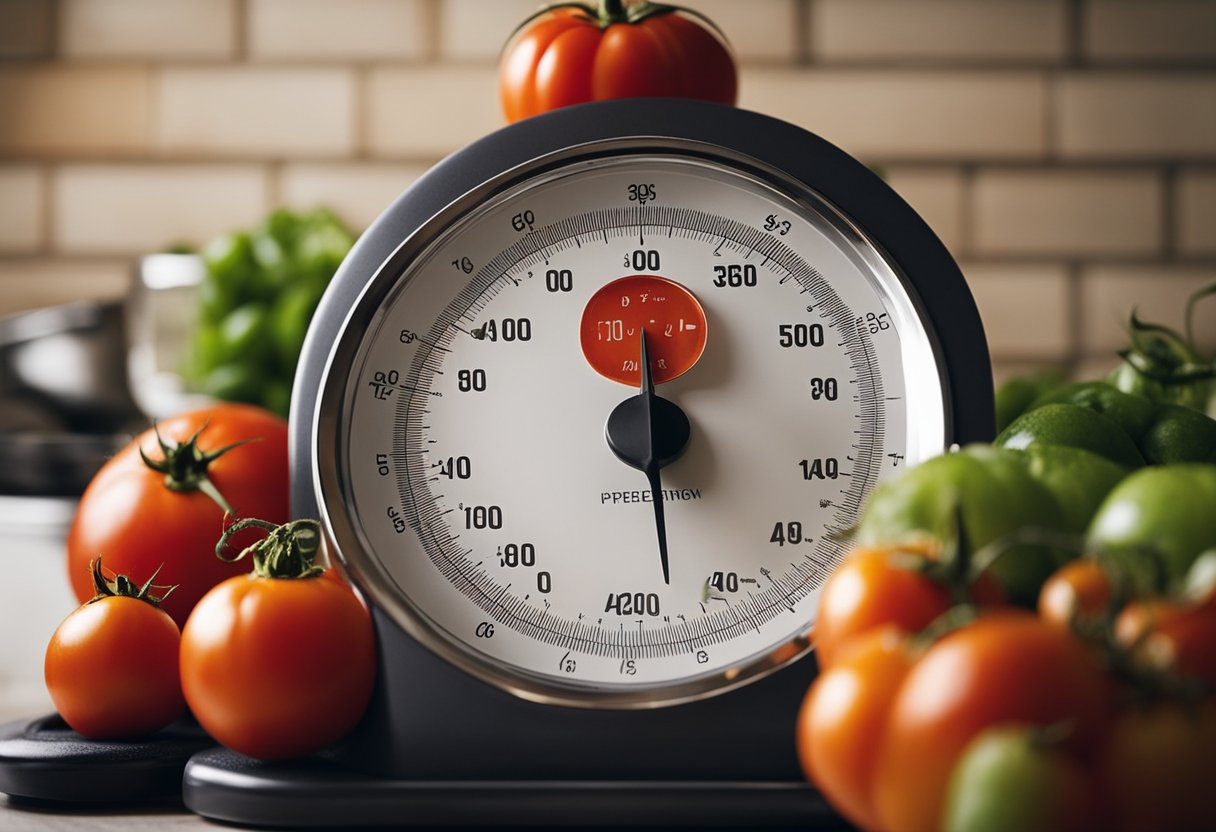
(1073, 426)
(1008, 781)
(995, 494)
(1078, 479)
(1132, 413)
(1166, 509)
(1017, 394)
(1179, 434)
(1188, 389)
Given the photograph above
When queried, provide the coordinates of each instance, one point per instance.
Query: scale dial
(462, 462)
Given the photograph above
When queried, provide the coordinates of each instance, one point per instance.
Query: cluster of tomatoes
(273, 663)
(942, 706)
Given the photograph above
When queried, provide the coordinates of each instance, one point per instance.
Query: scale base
(45, 760)
(223, 786)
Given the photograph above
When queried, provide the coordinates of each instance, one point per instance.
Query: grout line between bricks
(802, 20)
(1074, 33)
(47, 232)
(1076, 317)
(240, 31)
(1169, 213)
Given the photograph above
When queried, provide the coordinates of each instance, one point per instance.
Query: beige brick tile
(999, 31)
(759, 30)
(192, 29)
(1025, 308)
(900, 114)
(138, 209)
(25, 28)
(257, 111)
(1160, 31)
(357, 193)
(1159, 293)
(937, 195)
(1127, 115)
(22, 206)
(350, 30)
(426, 112)
(1195, 212)
(59, 110)
(475, 30)
(31, 283)
(1066, 213)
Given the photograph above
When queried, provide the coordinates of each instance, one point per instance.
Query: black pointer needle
(648, 432)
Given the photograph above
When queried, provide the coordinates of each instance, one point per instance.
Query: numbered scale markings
(605, 426)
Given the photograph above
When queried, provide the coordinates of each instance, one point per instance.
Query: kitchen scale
(587, 415)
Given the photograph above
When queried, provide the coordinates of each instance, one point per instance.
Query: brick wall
(1064, 150)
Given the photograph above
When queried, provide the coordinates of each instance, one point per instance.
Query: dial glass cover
(463, 447)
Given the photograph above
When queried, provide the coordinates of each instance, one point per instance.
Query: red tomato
(130, 515)
(1170, 635)
(844, 716)
(1155, 771)
(1081, 589)
(111, 669)
(278, 667)
(875, 586)
(1007, 667)
(582, 53)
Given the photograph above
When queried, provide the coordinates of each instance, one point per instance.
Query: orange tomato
(579, 53)
(1081, 588)
(111, 669)
(875, 586)
(138, 519)
(1006, 667)
(278, 667)
(844, 716)
(1171, 635)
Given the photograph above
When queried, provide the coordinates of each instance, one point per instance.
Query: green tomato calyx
(605, 13)
(124, 587)
(185, 465)
(1164, 355)
(286, 552)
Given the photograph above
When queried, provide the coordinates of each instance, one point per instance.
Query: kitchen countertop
(18, 816)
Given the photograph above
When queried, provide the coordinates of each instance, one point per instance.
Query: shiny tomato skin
(1155, 770)
(1006, 667)
(128, 517)
(1080, 588)
(111, 669)
(875, 586)
(564, 57)
(278, 668)
(844, 716)
(1170, 635)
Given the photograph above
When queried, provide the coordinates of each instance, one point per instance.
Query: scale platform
(45, 761)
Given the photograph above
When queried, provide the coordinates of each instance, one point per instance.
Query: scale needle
(648, 432)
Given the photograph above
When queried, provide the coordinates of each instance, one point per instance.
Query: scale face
(594, 427)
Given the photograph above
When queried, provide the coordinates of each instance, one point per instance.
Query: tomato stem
(612, 11)
(286, 552)
(185, 465)
(123, 587)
